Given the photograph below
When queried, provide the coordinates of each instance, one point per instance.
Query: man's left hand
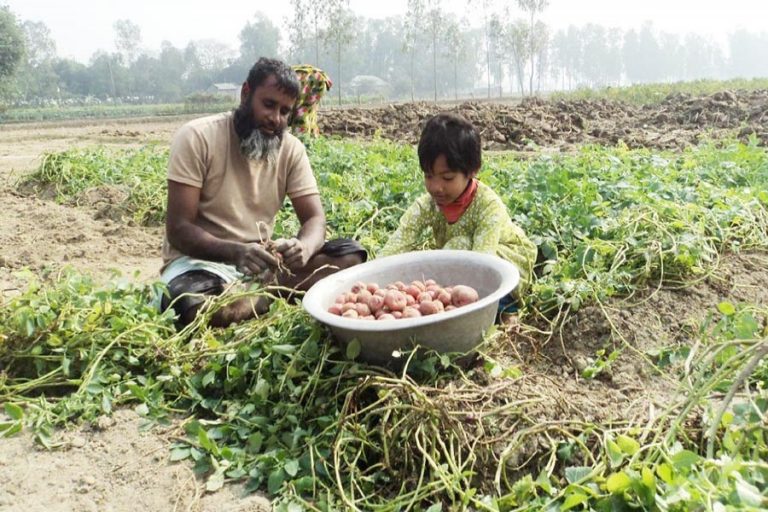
(295, 252)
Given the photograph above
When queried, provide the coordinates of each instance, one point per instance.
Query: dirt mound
(677, 122)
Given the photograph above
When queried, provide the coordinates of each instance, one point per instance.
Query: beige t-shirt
(239, 198)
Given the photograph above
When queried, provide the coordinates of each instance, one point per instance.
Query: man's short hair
(264, 68)
(453, 136)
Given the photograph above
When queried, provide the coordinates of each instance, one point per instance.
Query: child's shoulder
(486, 195)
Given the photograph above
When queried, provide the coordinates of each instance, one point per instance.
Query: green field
(274, 403)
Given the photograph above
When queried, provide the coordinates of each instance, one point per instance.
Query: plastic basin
(459, 330)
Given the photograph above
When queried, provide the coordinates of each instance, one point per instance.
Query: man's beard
(255, 144)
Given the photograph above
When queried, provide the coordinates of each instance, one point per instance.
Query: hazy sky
(80, 27)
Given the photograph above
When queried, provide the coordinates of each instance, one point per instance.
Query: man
(228, 176)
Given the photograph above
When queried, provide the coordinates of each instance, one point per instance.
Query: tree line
(425, 53)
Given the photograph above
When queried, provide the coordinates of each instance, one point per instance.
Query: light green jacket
(485, 227)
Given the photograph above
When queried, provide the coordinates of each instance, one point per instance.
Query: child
(462, 212)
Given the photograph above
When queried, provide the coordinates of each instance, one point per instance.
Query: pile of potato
(368, 301)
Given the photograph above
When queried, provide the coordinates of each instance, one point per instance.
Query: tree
(487, 7)
(533, 7)
(35, 76)
(11, 45)
(414, 18)
(127, 40)
(455, 49)
(307, 14)
(259, 38)
(338, 33)
(434, 22)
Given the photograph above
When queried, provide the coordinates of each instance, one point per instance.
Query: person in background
(228, 176)
(460, 211)
(314, 84)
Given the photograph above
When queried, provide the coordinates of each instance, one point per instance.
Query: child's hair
(453, 136)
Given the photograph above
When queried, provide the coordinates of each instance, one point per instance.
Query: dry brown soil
(115, 466)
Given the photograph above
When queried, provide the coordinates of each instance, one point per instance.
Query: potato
(335, 309)
(351, 313)
(376, 303)
(424, 297)
(429, 307)
(450, 308)
(381, 292)
(372, 287)
(409, 300)
(347, 306)
(397, 314)
(411, 312)
(399, 285)
(463, 295)
(413, 290)
(444, 297)
(385, 316)
(364, 296)
(351, 297)
(359, 285)
(395, 300)
(429, 282)
(341, 299)
(362, 309)
(419, 284)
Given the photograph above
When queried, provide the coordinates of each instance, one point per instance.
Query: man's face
(270, 107)
(261, 119)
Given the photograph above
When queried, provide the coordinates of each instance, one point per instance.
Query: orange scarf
(456, 209)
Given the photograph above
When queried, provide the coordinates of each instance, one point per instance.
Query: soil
(115, 465)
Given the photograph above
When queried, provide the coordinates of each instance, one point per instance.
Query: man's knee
(188, 292)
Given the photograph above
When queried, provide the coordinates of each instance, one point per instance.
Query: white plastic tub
(459, 330)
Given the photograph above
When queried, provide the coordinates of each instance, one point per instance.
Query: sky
(81, 27)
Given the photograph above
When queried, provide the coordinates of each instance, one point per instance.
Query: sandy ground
(113, 466)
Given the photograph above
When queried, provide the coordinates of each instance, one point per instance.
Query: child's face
(444, 184)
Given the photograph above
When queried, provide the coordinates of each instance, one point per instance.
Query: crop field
(636, 379)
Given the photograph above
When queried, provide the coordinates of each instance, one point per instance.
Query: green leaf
(141, 409)
(275, 481)
(664, 471)
(574, 500)
(255, 441)
(749, 494)
(353, 349)
(684, 460)
(285, 350)
(14, 411)
(292, 467)
(726, 308)
(627, 444)
(436, 507)
(618, 482)
(208, 378)
(575, 474)
(179, 454)
(614, 453)
(215, 481)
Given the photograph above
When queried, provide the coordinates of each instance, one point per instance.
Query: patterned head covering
(314, 84)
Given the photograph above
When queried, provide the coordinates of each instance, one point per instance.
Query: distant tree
(702, 58)
(567, 55)
(11, 46)
(170, 72)
(434, 27)
(514, 43)
(414, 28)
(74, 77)
(259, 38)
(456, 46)
(106, 75)
(748, 54)
(533, 7)
(338, 33)
(487, 6)
(36, 76)
(127, 40)
(309, 17)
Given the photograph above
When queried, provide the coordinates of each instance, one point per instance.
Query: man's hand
(254, 258)
(295, 252)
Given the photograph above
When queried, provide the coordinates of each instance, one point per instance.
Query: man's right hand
(254, 258)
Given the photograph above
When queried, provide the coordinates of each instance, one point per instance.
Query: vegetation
(273, 402)
(424, 53)
(648, 94)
